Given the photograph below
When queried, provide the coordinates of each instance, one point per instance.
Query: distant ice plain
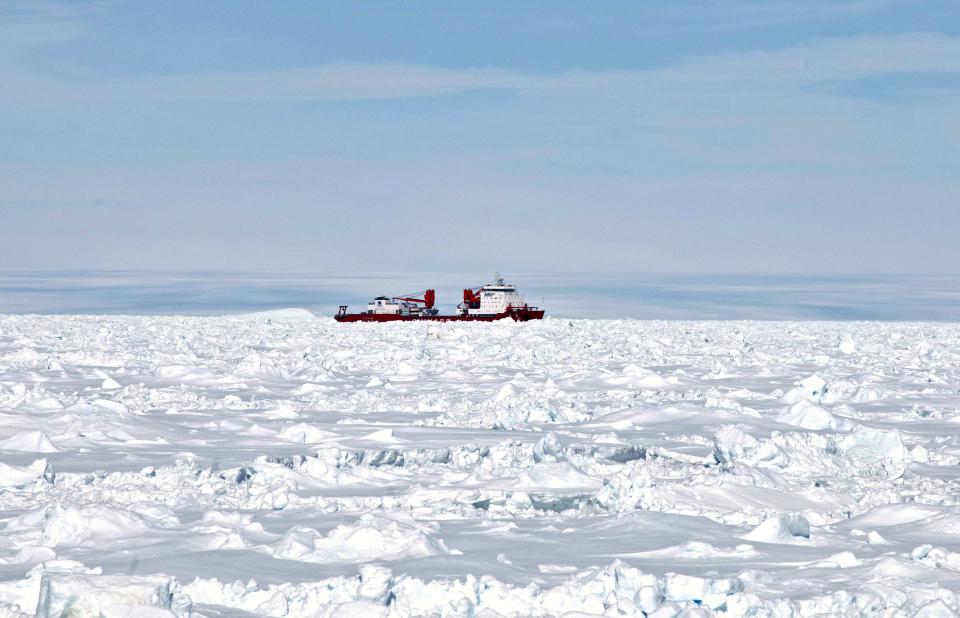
(571, 295)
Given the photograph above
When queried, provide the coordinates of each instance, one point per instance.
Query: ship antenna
(497, 279)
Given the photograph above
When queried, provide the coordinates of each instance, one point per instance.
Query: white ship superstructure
(492, 299)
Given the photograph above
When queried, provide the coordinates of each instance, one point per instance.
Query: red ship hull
(520, 315)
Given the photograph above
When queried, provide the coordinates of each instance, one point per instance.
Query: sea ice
(286, 465)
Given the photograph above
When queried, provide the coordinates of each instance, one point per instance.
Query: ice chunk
(812, 389)
(506, 393)
(375, 582)
(547, 448)
(106, 596)
(685, 587)
(876, 446)
(731, 443)
(919, 454)
(17, 476)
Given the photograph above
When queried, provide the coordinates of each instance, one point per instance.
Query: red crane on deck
(428, 300)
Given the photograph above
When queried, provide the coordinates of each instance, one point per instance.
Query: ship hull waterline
(518, 315)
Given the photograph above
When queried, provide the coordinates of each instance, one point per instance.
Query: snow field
(286, 465)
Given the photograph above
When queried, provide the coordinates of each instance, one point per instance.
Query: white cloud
(29, 24)
(329, 82)
(841, 58)
(698, 16)
(823, 60)
(26, 27)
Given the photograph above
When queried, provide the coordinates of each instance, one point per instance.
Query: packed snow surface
(283, 464)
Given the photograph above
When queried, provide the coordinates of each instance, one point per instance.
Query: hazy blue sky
(731, 136)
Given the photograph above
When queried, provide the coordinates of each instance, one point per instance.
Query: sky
(652, 137)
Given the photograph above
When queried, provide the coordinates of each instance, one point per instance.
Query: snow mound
(698, 550)
(31, 441)
(382, 435)
(305, 434)
(277, 314)
(809, 415)
(640, 377)
(781, 529)
(94, 526)
(841, 560)
(556, 477)
(935, 609)
(371, 538)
